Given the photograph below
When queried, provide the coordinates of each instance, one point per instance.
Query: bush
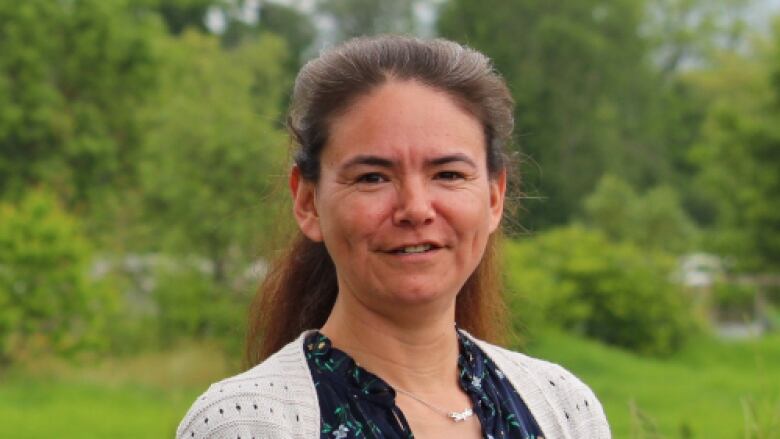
(654, 220)
(191, 304)
(47, 302)
(734, 302)
(577, 279)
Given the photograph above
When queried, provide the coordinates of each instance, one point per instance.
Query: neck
(417, 356)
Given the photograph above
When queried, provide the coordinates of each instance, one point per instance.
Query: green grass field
(711, 389)
(139, 397)
(702, 392)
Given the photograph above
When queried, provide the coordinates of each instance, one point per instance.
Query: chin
(416, 294)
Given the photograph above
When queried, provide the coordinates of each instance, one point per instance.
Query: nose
(414, 207)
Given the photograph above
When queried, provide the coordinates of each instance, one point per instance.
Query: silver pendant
(462, 416)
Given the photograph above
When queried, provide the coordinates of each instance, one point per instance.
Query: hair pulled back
(300, 289)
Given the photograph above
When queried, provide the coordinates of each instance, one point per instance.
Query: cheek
(467, 212)
(353, 220)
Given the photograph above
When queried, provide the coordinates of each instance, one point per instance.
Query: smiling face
(404, 203)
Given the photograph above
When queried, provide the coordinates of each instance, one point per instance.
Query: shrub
(577, 279)
(733, 301)
(191, 304)
(654, 220)
(47, 302)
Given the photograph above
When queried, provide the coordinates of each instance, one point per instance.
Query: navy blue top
(354, 403)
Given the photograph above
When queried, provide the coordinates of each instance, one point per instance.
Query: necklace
(455, 416)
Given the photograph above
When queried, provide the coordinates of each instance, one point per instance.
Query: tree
(294, 27)
(47, 302)
(688, 32)
(576, 279)
(738, 156)
(182, 14)
(72, 75)
(591, 95)
(213, 152)
(354, 18)
(653, 220)
(579, 74)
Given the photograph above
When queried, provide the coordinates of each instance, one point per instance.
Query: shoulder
(273, 399)
(547, 373)
(562, 404)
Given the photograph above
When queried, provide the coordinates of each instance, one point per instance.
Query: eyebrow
(368, 160)
(458, 157)
(373, 160)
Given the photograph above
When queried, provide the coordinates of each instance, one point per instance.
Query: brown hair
(300, 289)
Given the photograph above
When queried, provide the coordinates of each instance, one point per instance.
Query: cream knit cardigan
(276, 399)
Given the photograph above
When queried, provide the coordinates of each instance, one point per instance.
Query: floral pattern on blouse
(354, 403)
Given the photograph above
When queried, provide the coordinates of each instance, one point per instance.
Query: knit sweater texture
(277, 399)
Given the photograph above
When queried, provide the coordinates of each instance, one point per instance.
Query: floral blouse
(354, 403)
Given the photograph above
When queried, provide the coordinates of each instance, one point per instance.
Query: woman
(373, 324)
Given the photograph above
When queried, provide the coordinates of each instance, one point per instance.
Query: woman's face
(404, 204)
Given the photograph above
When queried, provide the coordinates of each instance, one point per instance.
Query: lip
(395, 249)
(410, 260)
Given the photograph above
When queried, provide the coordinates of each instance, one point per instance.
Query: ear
(497, 194)
(304, 206)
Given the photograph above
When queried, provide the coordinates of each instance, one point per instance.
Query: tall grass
(143, 396)
(712, 389)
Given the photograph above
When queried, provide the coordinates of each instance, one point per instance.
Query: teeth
(416, 248)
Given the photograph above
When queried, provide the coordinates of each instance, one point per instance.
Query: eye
(372, 178)
(449, 175)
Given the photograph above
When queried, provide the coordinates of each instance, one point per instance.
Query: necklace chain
(455, 416)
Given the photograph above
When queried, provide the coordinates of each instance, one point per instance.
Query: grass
(140, 397)
(74, 410)
(711, 389)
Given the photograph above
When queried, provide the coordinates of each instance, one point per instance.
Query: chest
(356, 403)
(426, 424)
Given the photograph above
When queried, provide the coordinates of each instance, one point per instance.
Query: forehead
(404, 119)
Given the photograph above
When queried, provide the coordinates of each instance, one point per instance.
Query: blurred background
(142, 192)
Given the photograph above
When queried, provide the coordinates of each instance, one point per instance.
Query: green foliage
(182, 14)
(598, 89)
(212, 151)
(734, 301)
(692, 31)
(190, 304)
(588, 99)
(72, 75)
(577, 279)
(47, 302)
(655, 220)
(354, 18)
(738, 157)
(294, 27)
(611, 207)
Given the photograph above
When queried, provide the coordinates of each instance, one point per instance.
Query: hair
(300, 288)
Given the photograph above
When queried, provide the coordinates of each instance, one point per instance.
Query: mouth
(415, 249)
